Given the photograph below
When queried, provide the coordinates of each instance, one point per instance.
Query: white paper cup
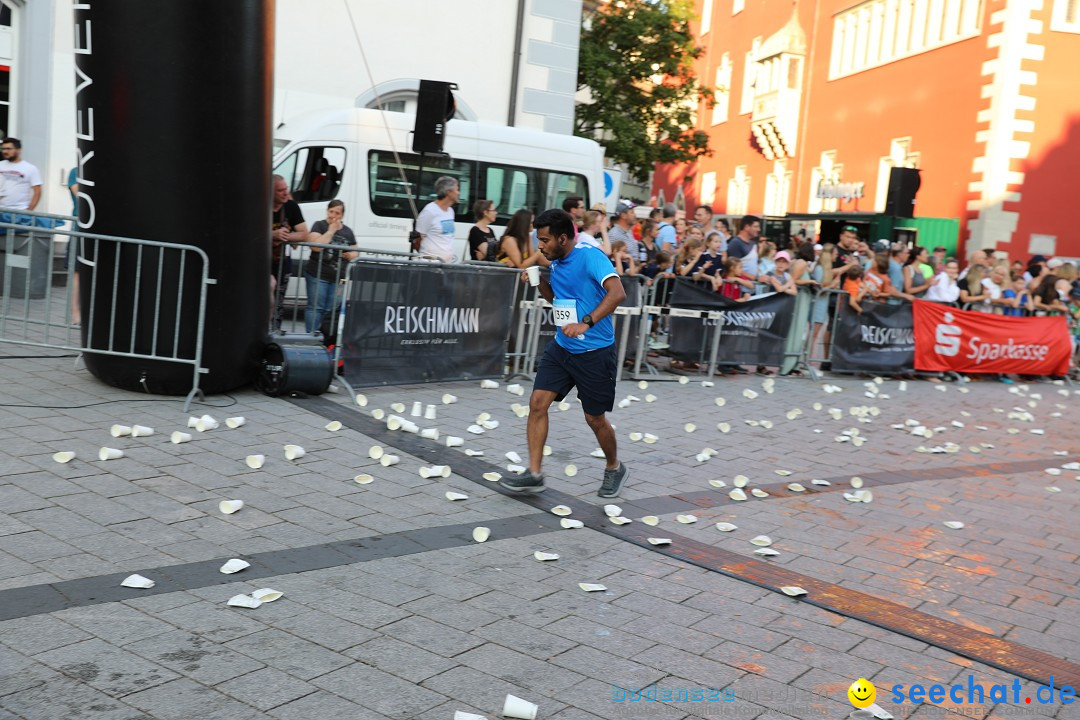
(481, 534)
(430, 433)
(363, 479)
(410, 427)
(417, 409)
(533, 273)
(429, 412)
(397, 407)
(449, 399)
(294, 452)
(209, 421)
(255, 461)
(361, 399)
(228, 507)
(453, 441)
(192, 421)
(394, 422)
(244, 601)
(443, 470)
(513, 457)
(266, 595)
(378, 413)
(334, 425)
(375, 452)
(488, 384)
(137, 581)
(120, 430)
(180, 437)
(107, 453)
(234, 566)
(63, 456)
(515, 707)
(141, 431)
(388, 460)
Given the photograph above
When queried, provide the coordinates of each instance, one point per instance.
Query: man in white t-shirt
(20, 182)
(436, 221)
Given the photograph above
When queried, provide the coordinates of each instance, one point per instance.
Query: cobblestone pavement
(391, 610)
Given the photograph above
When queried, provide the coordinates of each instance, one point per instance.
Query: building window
(746, 101)
(708, 188)
(1066, 16)
(737, 6)
(777, 189)
(900, 155)
(877, 32)
(706, 17)
(722, 90)
(827, 172)
(738, 192)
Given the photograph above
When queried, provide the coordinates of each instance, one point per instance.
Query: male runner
(584, 291)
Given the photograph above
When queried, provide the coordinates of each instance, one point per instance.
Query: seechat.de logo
(947, 337)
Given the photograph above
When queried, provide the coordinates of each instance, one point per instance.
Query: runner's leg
(539, 402)
(605, 435)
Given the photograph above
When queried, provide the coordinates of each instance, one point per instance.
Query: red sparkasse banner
(973, 342)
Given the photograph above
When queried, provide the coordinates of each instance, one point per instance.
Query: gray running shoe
(613, 481)
(524, 483)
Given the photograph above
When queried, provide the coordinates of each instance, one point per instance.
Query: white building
(515, 62)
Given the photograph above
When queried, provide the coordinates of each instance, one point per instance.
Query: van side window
(389, 193)
(512, 187)
(313, 173)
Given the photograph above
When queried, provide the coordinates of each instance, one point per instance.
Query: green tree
(637, 64)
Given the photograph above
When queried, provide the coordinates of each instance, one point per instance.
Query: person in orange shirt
(854, 286)
(877, 282)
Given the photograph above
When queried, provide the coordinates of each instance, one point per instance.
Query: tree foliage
(626, 47)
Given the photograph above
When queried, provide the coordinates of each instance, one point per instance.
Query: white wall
(319, 65)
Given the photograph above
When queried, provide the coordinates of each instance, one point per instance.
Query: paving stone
(40, 633)
(322, 704)
(594, 663)
(106, 668)
(184, 699)
(383, 693)
(63, 698)
(195, 657)
(321, 628)
(431, 636)
(288, 653)
(267, 688)
(487, 693)
(398, 658)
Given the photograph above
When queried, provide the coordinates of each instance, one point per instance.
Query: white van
(348, 154)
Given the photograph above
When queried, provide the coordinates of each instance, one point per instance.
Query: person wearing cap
(622, 227)
(779, 279)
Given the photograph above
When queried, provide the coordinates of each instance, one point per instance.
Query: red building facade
(817, 101)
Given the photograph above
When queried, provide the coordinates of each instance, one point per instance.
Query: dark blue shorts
(592, 372)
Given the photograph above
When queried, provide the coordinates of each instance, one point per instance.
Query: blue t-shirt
(1014, 311)
(666, 239)
(580, 277)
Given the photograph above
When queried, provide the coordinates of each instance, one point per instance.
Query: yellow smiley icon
(862, 693)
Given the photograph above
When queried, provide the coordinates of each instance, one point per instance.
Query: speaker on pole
(434, 107)
(903, 186)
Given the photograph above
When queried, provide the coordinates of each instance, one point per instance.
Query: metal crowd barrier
(35, 313)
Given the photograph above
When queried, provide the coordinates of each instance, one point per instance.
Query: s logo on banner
(947, 338)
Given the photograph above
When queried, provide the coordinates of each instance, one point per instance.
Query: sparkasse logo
(947, 338)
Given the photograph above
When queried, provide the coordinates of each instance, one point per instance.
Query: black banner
(412, 323)
(881, 339)
(751, 332)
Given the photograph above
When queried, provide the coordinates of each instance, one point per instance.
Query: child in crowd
(779, 278)
(660, 266)
(1019, 302)
(620, 258)
(733, 284)
(854, 287)
(688, 255)
(711, 261)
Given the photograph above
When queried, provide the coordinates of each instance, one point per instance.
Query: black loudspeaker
(903, 185)
(306, 369)
(434, 108)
